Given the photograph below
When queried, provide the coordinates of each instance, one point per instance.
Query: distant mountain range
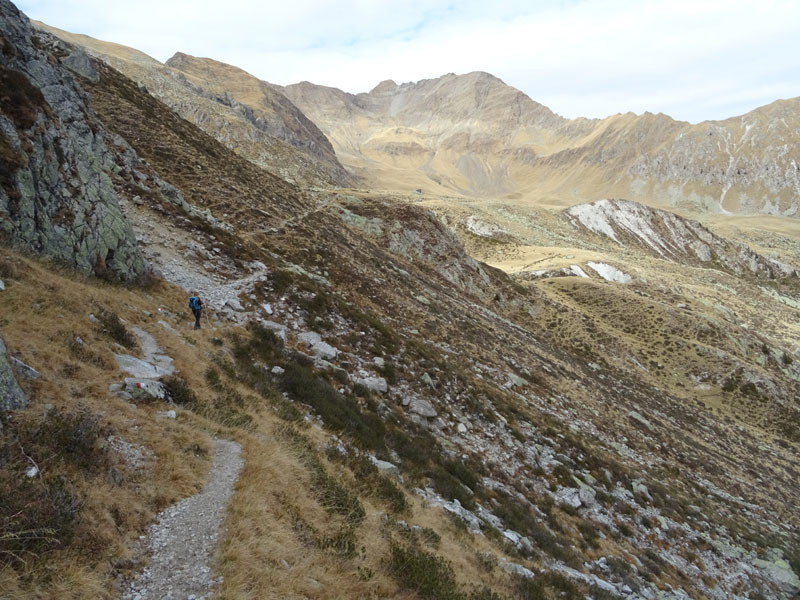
(473, 135)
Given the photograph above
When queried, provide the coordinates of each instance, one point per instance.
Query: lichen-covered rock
(56, 193)
(11, 395)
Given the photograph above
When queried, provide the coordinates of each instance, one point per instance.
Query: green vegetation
(111, 325)
(428, 574)
(330, 492)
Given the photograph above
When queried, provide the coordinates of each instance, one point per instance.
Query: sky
(691, 59)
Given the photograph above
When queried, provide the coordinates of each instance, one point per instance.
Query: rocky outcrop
(11, 395)
(666, 235)
(56, 193)
(746, 164)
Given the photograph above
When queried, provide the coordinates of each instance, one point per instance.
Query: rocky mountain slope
(472, 134)
(245, 114)
(414, 422)
(670, 236)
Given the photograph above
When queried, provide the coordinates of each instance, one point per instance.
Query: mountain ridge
(474, 136)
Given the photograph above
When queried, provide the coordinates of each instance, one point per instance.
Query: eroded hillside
(414, 422)
(243, 113)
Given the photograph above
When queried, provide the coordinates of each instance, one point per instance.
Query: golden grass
(268, 551)
(43, 309)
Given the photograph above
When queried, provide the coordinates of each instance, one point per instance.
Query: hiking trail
(184, 537)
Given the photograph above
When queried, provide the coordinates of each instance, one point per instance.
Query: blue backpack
(194, 303)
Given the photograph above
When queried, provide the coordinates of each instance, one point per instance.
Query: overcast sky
(690, 59)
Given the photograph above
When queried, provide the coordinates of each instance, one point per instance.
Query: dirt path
(185, 535)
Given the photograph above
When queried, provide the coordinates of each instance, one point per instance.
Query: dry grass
(270, 550)
(43, 311)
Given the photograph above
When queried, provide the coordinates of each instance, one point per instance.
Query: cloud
(690, 59)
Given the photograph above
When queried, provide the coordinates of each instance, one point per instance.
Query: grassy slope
(282, 509)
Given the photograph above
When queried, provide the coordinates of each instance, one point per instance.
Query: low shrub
(72, 436)
(545, 586)
(331, 493)
(339, 412)
(179, 392)
(428, 574)
(111, 325)
(36, 514)
(590, 533)
(450, 487)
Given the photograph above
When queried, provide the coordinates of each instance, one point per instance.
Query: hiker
(197, 308)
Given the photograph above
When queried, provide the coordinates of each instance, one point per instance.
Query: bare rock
(11, 395)
(24, 370)
(373, 384)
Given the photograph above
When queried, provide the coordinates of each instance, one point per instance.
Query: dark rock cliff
(57, 197)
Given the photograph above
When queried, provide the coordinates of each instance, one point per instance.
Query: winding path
(184, 537)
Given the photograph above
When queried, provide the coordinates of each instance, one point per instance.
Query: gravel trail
(185, 535)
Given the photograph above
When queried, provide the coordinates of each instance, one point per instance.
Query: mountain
(376, 407)
(474, 135)
(245, 114)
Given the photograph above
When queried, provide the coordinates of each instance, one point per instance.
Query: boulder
(423, 408)
(145, 389)
(234, 304)
(637, 487)
(279, 329)
(515, 380)
(781, 574)
(570, 496)
(513, 568)
(318, 347)
(138, 367)
(373, 384)
(473, 522)
(635, 416)
(11, 395)
(386, 467)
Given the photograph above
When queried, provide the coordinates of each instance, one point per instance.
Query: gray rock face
(666, 235)
(11, 395)
(56, 194)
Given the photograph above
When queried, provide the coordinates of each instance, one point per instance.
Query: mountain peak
(387, 85)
